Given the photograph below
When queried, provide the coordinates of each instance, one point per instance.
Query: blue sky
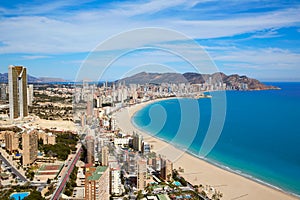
(257, 38)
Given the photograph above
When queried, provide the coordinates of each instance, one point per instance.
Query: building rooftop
(97, 173)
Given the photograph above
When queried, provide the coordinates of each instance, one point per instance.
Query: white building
(30, 94)
(121, 141)
(116, 186)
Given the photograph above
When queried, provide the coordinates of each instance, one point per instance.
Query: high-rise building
(3, 91)
(104, 156)
(30, 147)
(141, 174)
(97, 183)
(137, 142)
(146, 148)
(30, 94)
(115, 179)
(17, 82)
(90, 146)
(48, 138)
(166, 170)
(11, 141)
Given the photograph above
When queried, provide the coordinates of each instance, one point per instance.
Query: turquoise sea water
(260, 137)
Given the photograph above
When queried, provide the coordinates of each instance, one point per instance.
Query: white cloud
(264, 58)
(33, 57)
(37, 8)
(81, 31)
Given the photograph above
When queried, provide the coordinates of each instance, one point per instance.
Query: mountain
(32, 79)
(234, 81)
(155, 78)
(51, 80)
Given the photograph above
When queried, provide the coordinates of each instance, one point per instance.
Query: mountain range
(32, 79)
(234, 80)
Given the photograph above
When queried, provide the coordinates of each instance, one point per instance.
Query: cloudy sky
(57, 38)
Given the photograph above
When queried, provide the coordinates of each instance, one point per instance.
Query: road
(13, 169)
(65, 178)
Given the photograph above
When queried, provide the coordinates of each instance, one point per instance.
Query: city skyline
(253, 38)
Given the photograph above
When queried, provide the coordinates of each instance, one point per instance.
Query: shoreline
(197, 170)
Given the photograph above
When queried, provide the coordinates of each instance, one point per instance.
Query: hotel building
(166, 170)
(90, 146)
(104, 156)
(141, 174)
(17, 83)
(11, 141)
(97, 183)
(30, 147)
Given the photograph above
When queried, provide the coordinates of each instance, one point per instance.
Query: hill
(32, 79)
(234, 81)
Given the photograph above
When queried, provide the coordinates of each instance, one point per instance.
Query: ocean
(260, 138)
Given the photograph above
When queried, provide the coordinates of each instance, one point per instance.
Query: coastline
(200, 171)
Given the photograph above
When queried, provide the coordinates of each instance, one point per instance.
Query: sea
(257, 135)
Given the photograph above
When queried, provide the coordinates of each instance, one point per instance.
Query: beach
(197, 171)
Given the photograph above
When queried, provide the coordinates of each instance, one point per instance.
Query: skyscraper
(30, 94)
(17, 83)
(104, 156)
(30, 147)
(166, 170)
(97, 183)
(3, 91)
(137, 142)
(11, 141)
(90, 146)
(141, 174)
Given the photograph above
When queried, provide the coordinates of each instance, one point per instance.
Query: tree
(203, 193)
(140, 194)
(34, 195)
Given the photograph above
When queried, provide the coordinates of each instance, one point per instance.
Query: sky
(58, 38)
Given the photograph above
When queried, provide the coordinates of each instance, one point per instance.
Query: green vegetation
(5, 193)
(71, 183)
(139, 195)
(217, 195)
(30, 175)
(179, 178)
(83, 155)
(65, 143)
(34, 195)
(45, 98)
(30, 172)
(51, 189)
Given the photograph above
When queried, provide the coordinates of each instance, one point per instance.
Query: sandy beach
(197, 171)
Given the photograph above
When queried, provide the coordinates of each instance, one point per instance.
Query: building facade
(104, 155)
(11, 141)
(90, 146)
(115, 179)
(30, 94)
(29, 147)
(3, 91)
(141, 174)
(17, 83)
(166, 170)
(97, 183)
(137, 142)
